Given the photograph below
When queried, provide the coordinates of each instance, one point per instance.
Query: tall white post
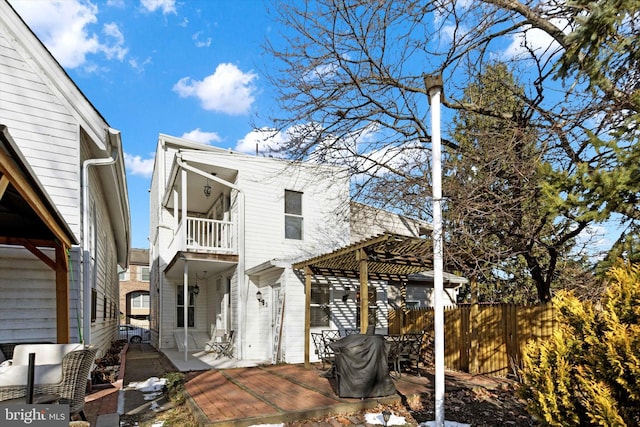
(434, 88)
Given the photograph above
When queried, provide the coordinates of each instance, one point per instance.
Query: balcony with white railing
(205, 235)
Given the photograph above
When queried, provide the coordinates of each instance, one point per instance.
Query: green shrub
(588, 373)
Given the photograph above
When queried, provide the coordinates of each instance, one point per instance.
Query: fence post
(473, 315)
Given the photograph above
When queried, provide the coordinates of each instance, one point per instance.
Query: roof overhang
(26, 211)
(267, 266)
(449, 280)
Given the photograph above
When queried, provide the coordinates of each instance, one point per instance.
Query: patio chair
(324, 352)
(221, 348)
(76, 366)
(330, 335)
(411, 347)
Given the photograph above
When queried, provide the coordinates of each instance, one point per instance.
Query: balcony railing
(207, 235)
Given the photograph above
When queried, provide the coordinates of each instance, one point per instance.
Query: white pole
(185, 273)
(185, 315)
(434, 88)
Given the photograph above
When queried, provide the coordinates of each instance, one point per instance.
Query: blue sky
(188, 69)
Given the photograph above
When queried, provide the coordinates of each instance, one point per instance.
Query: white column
(434, 87)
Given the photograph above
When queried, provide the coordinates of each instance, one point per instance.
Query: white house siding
(22, 319)
(51, 122)
(263, 182)
(42, 125)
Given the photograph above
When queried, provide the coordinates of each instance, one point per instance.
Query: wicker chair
(76, 366)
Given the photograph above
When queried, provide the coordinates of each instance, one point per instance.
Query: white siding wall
(45, 130)
(263, 182)
(44, 113)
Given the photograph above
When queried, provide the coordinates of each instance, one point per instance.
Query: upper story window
(293, 215)
(143, 274)
(123, 275)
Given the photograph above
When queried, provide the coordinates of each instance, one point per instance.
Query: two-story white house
(224, 229)
(63, 201)
(234, 233)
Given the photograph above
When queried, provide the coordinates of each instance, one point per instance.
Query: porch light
(195, 289)
(207, 189)
(260, 299)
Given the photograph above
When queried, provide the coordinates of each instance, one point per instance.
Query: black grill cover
(361, 366)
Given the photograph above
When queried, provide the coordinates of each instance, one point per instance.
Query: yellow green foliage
(588, 372)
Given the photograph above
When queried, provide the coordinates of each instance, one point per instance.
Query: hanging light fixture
(195, 289)
(260, 299)
(207, 189)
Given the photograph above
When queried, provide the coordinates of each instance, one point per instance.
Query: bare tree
(351, 81)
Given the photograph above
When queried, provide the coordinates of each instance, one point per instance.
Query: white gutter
(243, 283)
(86, 303)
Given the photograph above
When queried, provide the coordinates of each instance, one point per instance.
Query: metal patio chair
(222, 348)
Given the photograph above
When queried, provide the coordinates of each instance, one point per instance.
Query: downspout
(101, 161)
(243, 283)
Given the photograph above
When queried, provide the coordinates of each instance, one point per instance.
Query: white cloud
(116, 50)
(167, 6)
(137, 66)
(136, 165)
(204, 137)
(199, 42)
(116, 3)
(536, 40)
(64, 28)
(263, 140)
(228, 90)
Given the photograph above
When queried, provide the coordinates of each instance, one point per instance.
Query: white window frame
(289, 216)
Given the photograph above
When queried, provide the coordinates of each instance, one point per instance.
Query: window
(293, 215)
(143, 274)
(320, 305)
(190, 309)
(123, 275)
(94, 304)
(140, 300)
(412, 305)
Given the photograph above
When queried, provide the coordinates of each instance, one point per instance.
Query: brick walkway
(266, 394)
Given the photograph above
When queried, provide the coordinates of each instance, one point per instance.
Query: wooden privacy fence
(479, 339)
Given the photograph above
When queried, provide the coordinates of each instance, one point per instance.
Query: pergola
(389, 257)
(28, 218)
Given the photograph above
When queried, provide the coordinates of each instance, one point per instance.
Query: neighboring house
(61, 285)
(223, 225)
(367, 221)
(226, 229)
(134, 289)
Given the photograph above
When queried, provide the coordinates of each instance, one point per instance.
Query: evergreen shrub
(588, 373)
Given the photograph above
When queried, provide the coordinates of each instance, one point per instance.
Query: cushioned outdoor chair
(71, 389)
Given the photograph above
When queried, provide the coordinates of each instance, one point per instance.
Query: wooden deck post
(307, 314)
(364, 291)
